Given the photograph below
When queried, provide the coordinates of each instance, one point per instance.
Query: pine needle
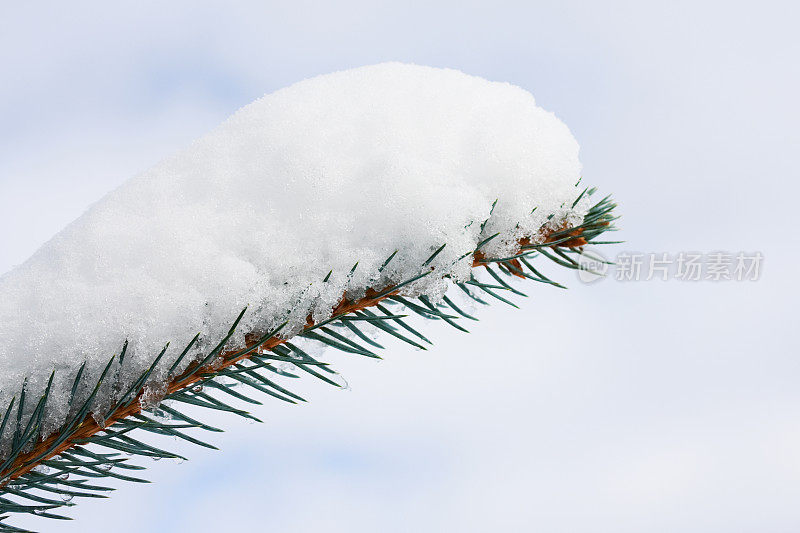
(33, 469)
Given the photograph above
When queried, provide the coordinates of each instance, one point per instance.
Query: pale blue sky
(673, 407)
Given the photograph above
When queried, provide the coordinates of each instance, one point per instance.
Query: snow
(342, 168)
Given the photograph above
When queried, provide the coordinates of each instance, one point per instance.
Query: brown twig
(89, 427)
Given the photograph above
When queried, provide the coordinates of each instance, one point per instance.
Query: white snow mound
(342, 168)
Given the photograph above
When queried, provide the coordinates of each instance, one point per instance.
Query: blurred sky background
(611, 407)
